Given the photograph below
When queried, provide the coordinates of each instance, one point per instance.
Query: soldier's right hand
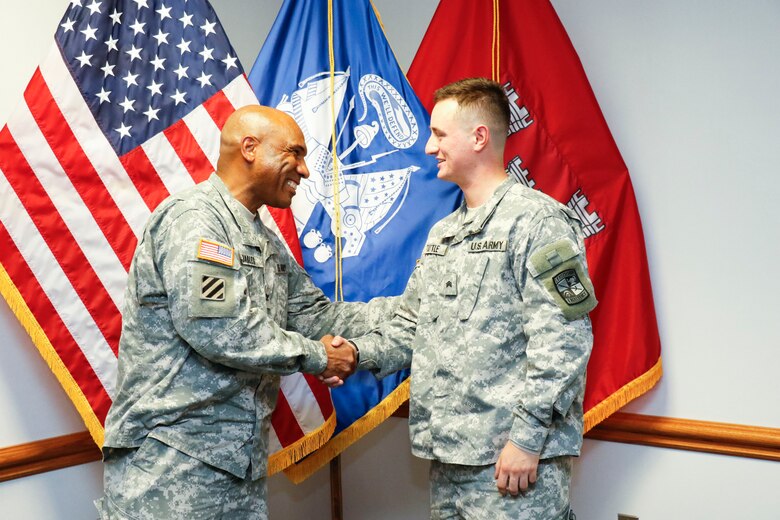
(342, 360)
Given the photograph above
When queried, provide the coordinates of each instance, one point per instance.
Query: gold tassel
(50, 356)
(302, 447)
(623, 396)
(373, 418)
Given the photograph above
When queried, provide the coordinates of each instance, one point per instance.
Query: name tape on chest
(485, 246)
(215, 252)
(435, 249)
(249, 260)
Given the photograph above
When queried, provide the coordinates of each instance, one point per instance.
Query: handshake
(342, 360)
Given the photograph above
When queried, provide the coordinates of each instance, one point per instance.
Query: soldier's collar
(240, 213)
(458, 232)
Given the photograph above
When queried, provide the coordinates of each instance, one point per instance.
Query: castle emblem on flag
(591, 221)
(366, 194)
(520, 117)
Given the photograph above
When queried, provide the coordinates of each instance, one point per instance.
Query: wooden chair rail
(47, 455)
(666, 432)
(685, 434)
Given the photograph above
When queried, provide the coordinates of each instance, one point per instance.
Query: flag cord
(339, 284)
(495, 49)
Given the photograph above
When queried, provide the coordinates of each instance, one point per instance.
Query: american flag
(125, 109)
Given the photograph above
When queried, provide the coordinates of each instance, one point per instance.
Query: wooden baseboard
(648, 430)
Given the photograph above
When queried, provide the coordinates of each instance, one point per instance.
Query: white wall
(690, 91)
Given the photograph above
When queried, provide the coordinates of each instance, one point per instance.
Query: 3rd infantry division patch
(212, 288)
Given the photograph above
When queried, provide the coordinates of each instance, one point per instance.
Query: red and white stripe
(71, 212)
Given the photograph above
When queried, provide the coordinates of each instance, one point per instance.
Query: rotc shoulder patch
(559, 268)
(215, 252)
(569, 286)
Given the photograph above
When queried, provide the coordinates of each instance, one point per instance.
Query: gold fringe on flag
(373, 418)
(296, 451)
(623, 396)
(41, 341)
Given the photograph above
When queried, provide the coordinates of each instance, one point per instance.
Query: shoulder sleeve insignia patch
(569, 287)
(212, 288)
(214, 291)
(215, 252)
(559, 268)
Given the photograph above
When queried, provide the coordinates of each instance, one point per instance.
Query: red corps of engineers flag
(125, 109)
(559, 143)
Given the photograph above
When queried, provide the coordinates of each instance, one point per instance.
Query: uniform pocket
(276, 283)
(474, 273)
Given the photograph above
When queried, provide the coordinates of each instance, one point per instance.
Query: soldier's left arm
(552, 274)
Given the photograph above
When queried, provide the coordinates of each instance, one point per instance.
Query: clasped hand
(342, 360)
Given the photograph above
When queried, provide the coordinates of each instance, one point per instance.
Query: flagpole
(336, 509)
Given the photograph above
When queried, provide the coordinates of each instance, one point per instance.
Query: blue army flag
(364, 213)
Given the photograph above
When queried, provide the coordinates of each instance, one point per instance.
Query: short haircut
(484, 96)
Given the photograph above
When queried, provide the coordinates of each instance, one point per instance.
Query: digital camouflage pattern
(157, 481)
(469, 493)
(500, 340)
(215, 311)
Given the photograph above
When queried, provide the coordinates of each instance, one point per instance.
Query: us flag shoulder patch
(212, 288)
(215, 252)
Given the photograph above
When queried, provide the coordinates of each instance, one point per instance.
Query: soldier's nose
(303, 169)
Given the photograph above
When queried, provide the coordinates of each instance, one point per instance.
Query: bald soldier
(215, 311)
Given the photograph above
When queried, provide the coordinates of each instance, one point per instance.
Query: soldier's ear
(481, 137)
(249, 147)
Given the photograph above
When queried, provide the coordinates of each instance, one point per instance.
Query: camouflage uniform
(215, 311)
(496, 317)
(469, 492)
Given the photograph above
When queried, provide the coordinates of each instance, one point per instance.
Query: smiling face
(451, 142)
(278, 164)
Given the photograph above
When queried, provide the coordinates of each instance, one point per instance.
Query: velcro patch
(248, 260)
(212, 288)
(435, 249)
(484, 246)
(281, 268)
(215, 252)
(449, 285)
(560, 268)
